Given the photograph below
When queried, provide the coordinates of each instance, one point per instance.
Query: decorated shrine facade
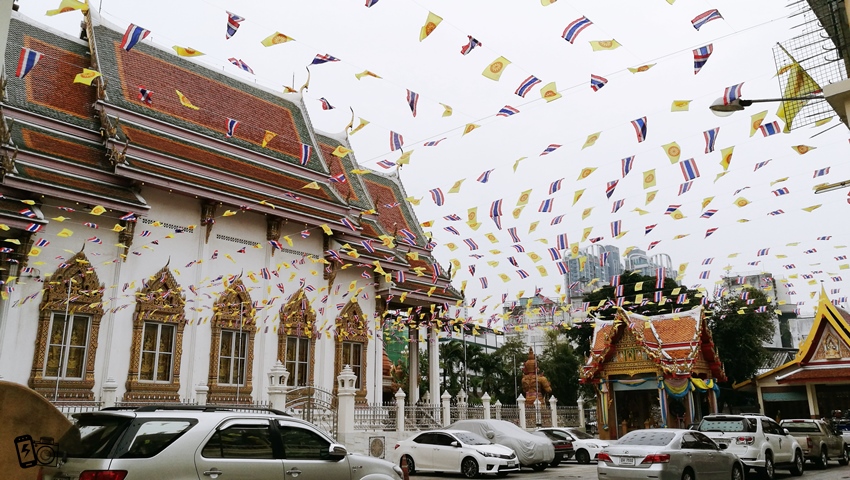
(656, 371)
(149, 242)
(816, 383)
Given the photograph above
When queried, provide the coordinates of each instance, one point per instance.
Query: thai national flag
(781, 191)
(28, 213)
(386, 164)
(400, 276)
(640, 128)
(705, 17)
(33, 227)
(437, 196)
(42, 243)
(338, 178)
(821, 172)
(617, 205)
(408, 235)
(433, 143)
(472, 43)
(708, 213)
(326, 105)
(527, 85)
(546, 205)
(345, 221)
(555, 186)
(496, 208)
(557, 220)
(518, 248)
(27, 61)
(689, 169)
(626, 165)
(484, 177)
(239, 63)
(704, 274)
(522, 274)
(451, 230)
(306, 150)
(132, 36)
(769, 129)
(562, 241)
(609, 188)
(396, 141)
(597, 82)
(649, 228)
(574, 28)
(145, 95)
(129, 217)
(233, 22)
(231, 126)
(701, 55)
(760, 165)
(483, 281)
(320, 59)
(95, 240)
(551, 148)
(471, 244)
(367, 244)
(762, 252)
(707, 261)
(616, 228)
(275, 245)
(660, 274)
(710, 138)
(412, 101)
(369, 3)
(732, 93)
(507, 111)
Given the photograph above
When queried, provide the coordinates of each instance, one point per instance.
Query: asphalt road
(572, 470)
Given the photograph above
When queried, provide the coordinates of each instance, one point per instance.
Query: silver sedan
(667, 454)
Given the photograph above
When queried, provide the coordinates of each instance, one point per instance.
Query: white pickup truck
(820, 442)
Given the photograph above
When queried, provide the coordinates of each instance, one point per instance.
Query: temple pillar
(433, 362)
(812, 398)
(413, 362)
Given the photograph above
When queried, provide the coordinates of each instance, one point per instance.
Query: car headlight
(487, 454)
(398, 471)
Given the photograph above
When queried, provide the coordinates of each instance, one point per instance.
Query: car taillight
(396, 446)
(656, 458)
(603, 457)
(103, 475)
(810, 443)
(745, 440)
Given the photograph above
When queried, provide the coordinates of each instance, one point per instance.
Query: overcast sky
(384, 39)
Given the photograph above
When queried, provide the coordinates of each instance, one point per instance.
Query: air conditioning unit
(377, 446)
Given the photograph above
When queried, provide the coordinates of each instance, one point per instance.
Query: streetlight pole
(722, 108)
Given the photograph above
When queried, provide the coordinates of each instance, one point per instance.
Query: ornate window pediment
(157, 344)
(352, 340)
(232, 346)
(296, 339)
(68, 326)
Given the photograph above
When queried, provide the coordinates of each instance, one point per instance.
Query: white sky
(385, 39)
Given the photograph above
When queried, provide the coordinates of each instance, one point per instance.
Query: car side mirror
(723, 446)
(337, 452)
(455, 444)
(785, 431)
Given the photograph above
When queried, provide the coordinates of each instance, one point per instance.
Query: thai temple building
(171, 229)
(652, 371)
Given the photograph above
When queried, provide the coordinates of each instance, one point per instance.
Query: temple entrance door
(635, 408)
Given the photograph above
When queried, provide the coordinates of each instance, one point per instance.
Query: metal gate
(314, 405)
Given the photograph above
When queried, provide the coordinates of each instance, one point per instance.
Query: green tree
(561, 365)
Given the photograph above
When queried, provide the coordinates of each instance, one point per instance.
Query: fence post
(553, 405)
(498, 410)
(485, 400)
(345, 392)
(462, 405)
(201, 391)
(447, 408)
(520, 403)
(278, 378)
(580, 403)
(399, 405)
(110, 386)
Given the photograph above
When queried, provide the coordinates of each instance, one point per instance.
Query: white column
(433, 363)
(399, 405)
(110, 386)
(553, 407)
(580, 404)
(277, 389)
(447, 408)
(346, 381)
(413, 364)
(812, 398)
(201, 391)
(462, 406)
(485, 400)
(520, 403)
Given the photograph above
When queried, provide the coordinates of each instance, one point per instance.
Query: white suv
(188, 443)
(757, 440)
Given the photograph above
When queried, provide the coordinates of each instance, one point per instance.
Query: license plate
(512, 464)
(627, 461)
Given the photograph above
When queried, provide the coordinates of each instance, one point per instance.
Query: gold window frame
(227, 315)
(295, 322)
(352, 326)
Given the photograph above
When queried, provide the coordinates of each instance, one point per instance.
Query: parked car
(757, 440)
(563, 445)
(454, 451)
(585, 446)
(188, 443)
(666, 454)
(842, 426)
(818, 440)
(531, 451)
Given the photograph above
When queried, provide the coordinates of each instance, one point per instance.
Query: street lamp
(721, 108)
(828, 187)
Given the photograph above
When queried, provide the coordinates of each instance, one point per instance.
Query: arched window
(296, 339)
(232, 346)
(352, 339)
(157, 340)
(68, 326)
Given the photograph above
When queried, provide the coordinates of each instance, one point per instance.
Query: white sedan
(454, 451)
(586, 446)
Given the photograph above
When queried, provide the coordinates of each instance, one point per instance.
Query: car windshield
(801, 427)
(581, 435)
(652, 438)
(726, 424)
(93, 436)
(469, 438)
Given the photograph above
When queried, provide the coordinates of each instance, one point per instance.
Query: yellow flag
(549, 92)
(719, 175)
(413, 200)
(186, 51)
(533, 226)
(673, 152)
(86, 77)
(469, 127)
(803, 149)
(742, 202)
(523, 198)
(650, 196)
(447, 110)
(799, 84)
(495, 69)
(706, 201)
(574, 251)
(649, 179)
(586, 212)
(542, 270)
(97, 210)
(228, 213)
(682, 268)
(366, 73)
(641, 68)
(185, 101)
(378, 268)
(586, 233)
(267, 137)
(451, 246)
(430, 24)
(68, 6)
(680, 106)
(778, 180)
(456, 187)
(118, 228)
(363, 123)
(472, 215)
(505, 278)
(517, 212)
(312, 186)
(726, 157)
(577, 195)
(755, 122)
(640, 211)
(582, 261)
(34, 252)
(276, 39)
(813, 207)
(341, 151)
(591, 139)
(404, 159)
(598, 45)
(64, 233)
(491, 237)
(638, 286)
(677, 214)
(585, 172)
(516, 164)
(823, 121)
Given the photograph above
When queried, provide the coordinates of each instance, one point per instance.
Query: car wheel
(582, 456)
(411, 466)
(768, 472)
(823, 460)
(737, 473)
(797, 468)
(688, 474)
(845, 457)
(469, 467)
(557, 460)
(539, 467)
